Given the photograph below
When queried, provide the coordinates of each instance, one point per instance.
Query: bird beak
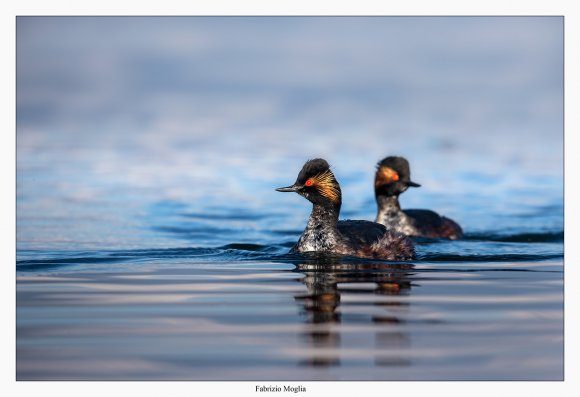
(292, 188)
(409, 183)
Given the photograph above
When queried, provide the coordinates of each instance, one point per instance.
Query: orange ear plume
(386, 175)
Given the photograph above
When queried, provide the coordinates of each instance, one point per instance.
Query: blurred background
(131, 129)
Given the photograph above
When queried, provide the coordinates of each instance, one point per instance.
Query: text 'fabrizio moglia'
(278, 389)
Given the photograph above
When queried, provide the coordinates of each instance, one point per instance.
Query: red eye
(308, 182)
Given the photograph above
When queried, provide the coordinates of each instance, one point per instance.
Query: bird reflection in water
(326, 280)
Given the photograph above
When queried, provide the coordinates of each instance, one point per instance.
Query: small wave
(240, 216)
(104, 257)
(246, 247)
(545, 237)
(194, 231)
(487, 257)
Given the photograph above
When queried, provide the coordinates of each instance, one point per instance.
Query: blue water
(151, 244)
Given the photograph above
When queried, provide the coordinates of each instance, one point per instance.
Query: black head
(393, 176)
(316, 183)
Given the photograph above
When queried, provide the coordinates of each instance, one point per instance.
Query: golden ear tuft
(326, 185)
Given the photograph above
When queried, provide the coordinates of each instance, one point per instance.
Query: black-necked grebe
(324, 233)
(392, 178)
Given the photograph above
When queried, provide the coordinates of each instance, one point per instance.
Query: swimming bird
(392, 178)
(325, 233)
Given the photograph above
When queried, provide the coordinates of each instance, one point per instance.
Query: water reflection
(363, 288)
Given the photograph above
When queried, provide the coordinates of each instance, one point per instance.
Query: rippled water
(151, 243)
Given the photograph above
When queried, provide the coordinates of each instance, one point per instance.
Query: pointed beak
(413, 184)
(292, 188)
